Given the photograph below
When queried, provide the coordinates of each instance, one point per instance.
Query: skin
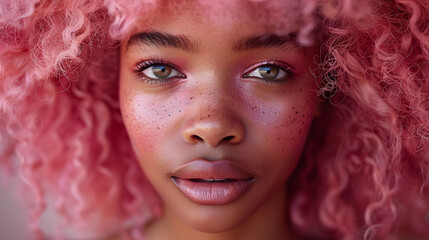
(261, 125)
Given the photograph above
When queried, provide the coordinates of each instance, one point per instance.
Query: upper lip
(209, 169)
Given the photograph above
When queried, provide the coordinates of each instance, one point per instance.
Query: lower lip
(217, 193)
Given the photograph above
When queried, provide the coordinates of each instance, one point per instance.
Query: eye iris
(161, 71)
(269, 72)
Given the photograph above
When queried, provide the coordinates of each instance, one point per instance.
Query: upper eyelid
(270, 62)
(141, 65)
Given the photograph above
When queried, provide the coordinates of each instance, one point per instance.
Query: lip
(216, 182)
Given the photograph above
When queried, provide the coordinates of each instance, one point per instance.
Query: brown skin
(268, 121)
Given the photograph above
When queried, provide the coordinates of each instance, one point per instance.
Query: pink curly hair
(366, 159)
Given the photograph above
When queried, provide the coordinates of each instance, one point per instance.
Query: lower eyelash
(285, 67)
(143, 65)
(151, 81)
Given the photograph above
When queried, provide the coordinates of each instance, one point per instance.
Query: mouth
(225, 180)
(217, 182)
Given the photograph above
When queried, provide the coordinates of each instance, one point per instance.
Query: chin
(214, 220)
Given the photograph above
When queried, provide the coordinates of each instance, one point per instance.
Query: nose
(213, 125)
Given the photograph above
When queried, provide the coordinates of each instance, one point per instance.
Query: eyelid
(276, 63)
(140, 66)
(282, 65)
(145, 64)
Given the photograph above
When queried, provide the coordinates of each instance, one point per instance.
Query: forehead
(225, 16)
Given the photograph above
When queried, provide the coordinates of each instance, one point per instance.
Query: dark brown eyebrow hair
(163, 40)
(268, 41)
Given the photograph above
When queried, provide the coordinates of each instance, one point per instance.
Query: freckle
(165, 110)
(161, 118)
(303, 115)
(263, 111)
(208, 115)
(296, 112)
(293, 108)
(169, 115)
(180, 110)
(157, 127)
(173, 107)
(191, 98)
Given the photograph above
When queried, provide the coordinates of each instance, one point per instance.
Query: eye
(160, 71)
(270, 71)
(157, 71)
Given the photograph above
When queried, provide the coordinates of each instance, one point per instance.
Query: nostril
(196, 137)
(229, 138)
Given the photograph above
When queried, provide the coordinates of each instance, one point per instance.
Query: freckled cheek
(286, 128)
(149, 120)
(284, 139)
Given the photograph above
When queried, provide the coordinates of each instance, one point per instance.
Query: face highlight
(193, 93)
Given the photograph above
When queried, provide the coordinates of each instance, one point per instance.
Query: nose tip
(214, 133)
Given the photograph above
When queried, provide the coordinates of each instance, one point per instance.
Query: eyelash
(289, 70)
(143, 65)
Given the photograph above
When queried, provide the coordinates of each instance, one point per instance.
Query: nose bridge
(213, 120)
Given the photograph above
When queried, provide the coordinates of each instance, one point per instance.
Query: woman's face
(218, 113)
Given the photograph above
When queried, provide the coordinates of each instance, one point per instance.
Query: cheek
(149, 120)
(140, 119)
(282, 132)
(292, 126)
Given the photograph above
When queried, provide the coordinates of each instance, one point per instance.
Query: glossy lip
(216, 182)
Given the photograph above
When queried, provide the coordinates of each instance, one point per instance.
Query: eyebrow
(269, 40)
(162, 40)
(182, 42)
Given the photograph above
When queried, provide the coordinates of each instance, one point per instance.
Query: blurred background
(13, 217)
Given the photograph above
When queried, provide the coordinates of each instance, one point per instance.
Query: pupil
(161, 71)
(269, 72)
